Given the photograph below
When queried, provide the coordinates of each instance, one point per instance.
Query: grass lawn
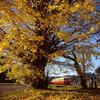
(63, 87)
(53, 93)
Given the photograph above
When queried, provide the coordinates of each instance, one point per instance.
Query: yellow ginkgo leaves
(64, 35)
(4, 45)
(32, 34)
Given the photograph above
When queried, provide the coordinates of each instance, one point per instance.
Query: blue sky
(54, 70)
(96, 63)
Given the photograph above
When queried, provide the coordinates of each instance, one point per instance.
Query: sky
(54, 70)
(96, 63)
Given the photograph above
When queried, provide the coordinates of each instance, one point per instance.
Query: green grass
(63, 87)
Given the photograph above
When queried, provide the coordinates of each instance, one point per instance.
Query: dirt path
(9, 87)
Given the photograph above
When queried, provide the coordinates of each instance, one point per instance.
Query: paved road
(9, 87)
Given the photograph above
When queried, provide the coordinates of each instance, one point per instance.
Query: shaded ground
(9, 87)
(19, 92)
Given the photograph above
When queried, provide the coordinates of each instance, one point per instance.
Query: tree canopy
(34, 31)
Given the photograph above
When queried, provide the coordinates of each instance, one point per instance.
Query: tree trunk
(40, 82)
(82, 76)
(83, 82)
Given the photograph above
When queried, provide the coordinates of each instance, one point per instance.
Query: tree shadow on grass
(95, 91)
(90, 91)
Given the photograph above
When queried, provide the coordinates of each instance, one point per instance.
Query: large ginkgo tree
(33, 32)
